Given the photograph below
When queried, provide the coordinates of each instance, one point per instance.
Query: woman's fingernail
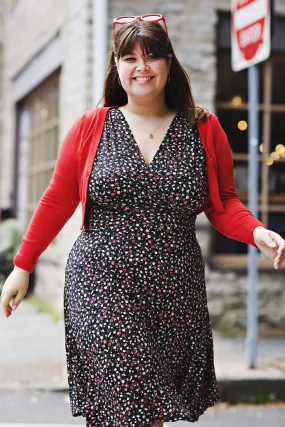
(14, 307)
(273, 245)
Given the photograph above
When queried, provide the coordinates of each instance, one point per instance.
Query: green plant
(230, 330)
(261, 398)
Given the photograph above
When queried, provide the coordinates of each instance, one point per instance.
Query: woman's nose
(142, 65)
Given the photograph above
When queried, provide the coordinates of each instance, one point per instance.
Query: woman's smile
(143, 80)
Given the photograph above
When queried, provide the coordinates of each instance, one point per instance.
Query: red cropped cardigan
(73, 167)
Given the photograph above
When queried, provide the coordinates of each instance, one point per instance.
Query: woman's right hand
(15, 287)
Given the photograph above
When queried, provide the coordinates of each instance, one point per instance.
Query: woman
(138, 337)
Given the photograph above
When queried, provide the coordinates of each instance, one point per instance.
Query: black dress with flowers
(138, 336)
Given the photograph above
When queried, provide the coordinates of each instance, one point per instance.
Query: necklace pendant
(151, 136)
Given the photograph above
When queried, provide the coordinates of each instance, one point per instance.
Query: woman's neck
(157, 109)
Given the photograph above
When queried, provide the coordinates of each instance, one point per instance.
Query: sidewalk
(32, 355)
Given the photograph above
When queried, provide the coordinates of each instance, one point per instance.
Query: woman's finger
(280, 245)
(276, 238)
(5, 302)
(280, 249)
(280, 254)
(281, 258)
(17, 300)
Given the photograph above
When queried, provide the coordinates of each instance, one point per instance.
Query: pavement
(32, 356)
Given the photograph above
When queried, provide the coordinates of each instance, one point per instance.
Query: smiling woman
(139, 345)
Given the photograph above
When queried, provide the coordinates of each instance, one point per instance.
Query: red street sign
(250, 32)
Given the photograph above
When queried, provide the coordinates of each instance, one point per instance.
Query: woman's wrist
(21, 270)
(257, 230)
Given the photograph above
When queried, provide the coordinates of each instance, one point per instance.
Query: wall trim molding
(47, 60)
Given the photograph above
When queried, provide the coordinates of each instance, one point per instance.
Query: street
(21, 408)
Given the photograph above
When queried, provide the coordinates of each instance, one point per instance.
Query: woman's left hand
(270, 244)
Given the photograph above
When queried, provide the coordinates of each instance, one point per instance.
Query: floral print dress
(138, 336)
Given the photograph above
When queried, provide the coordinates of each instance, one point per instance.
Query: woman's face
(142, 76)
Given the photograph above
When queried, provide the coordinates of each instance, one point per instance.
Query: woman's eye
(132, 58)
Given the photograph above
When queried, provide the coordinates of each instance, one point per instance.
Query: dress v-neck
(149, 165)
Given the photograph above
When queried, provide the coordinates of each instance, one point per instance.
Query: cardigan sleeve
(236, 222)
(57, 203)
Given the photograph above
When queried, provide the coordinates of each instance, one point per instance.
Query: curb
(254, 391)
(247, 390)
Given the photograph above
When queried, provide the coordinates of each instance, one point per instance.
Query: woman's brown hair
(153, 38)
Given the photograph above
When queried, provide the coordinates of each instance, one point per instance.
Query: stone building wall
(1, 80)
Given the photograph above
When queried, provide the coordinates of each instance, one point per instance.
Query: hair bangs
(150, 41)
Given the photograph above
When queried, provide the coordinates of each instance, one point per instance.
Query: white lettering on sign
(250, 35)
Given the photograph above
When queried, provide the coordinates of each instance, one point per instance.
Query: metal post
(252, 299)
(99, 48)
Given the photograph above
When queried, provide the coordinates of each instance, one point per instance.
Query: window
(42, 106)
(232, 111)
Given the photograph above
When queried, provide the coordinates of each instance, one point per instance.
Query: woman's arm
(237, 222)
(57, 204)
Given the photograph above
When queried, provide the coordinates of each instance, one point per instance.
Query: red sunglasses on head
(149, 18)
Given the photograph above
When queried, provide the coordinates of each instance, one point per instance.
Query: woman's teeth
(142, 79)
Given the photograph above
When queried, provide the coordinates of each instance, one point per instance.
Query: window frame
(42, 105)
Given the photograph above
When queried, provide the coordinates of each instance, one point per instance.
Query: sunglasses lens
(125, 19)
(152, 18)
(155, 18)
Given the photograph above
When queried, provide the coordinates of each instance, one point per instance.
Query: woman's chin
(144, 94)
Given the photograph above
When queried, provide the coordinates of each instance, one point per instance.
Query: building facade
(48, 81)
(1, 78)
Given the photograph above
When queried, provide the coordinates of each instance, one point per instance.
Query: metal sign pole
(252, 298)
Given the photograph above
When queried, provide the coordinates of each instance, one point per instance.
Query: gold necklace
(151, 135)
